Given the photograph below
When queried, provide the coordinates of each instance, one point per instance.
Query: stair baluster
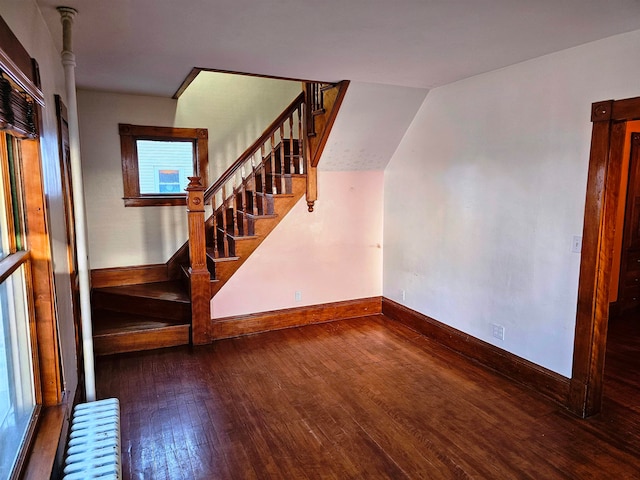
(301, 143)
(292, 168)
(263, 177)
(283, 183)
(254, 203)
(234, 209)
(272, 165)
(223, 216)
(214, 233)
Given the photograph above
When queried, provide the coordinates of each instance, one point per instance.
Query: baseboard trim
(111, 277)
(551, 384)
(236, 326)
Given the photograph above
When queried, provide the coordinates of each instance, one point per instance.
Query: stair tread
(258, 216)
(215, 258)
(243, 237)
(171, 291)
(113, 323)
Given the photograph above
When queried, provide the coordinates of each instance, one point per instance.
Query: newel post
(199, 275)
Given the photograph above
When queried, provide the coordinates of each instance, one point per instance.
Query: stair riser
(150, 307)
(143, 340)
(264, 226)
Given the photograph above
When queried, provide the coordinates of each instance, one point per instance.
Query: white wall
(486, 190)
(27, 24)
(370, 124)
(329, 255)
(120, 236)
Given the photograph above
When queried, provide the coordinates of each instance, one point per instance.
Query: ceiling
(149, 46)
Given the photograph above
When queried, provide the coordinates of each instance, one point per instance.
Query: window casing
(156, 162)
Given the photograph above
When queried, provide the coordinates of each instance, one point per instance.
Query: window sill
(155, 201)
(41, 459)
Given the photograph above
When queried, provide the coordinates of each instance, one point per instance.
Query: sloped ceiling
(149, 46)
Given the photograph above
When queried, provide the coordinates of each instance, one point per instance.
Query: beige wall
(120, 236)
(487, 189)
(329, 255)
(27, 24)
(235, 110)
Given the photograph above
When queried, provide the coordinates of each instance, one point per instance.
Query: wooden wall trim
(626, 110)
(42, 274)
(111, 277)
(191, 76)
(600, 223)
(518, 369)
(236, 326)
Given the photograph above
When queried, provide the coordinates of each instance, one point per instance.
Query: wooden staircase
(137, 317)
(168, 305)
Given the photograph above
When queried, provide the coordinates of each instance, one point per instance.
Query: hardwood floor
(363, 398)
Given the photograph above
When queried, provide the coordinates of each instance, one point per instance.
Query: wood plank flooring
(356, 399)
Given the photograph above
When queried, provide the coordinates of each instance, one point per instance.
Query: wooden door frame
(609, 120)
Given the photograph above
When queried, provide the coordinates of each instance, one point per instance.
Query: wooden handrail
(331, 105)
(253, 148)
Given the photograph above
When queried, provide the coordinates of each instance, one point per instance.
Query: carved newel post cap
(194, 184)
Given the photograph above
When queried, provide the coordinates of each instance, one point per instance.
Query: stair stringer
(245, 246)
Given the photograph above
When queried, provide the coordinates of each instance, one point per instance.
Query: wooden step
(167, 300)
(250, 222)
(115, 332)
(213, 256)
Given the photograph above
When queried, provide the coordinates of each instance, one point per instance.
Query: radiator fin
(93, 452)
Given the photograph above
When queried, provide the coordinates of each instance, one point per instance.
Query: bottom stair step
(119, 333)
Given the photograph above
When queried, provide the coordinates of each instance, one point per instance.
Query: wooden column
(199, 275)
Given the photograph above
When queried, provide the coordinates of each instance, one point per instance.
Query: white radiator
(94, 442)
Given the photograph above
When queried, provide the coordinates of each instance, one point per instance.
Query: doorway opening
(605, 193)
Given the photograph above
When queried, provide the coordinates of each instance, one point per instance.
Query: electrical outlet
(497, 331)
(298, 296)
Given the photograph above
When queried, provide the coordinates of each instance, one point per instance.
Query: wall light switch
(576, 244)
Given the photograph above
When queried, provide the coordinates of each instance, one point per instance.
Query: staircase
(168, 305)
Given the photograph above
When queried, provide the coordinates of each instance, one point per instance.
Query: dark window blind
(17, 110)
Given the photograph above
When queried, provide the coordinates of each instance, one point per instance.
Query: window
(19, 392)
(157, 161)
(31, 381)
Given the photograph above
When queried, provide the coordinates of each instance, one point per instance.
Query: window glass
(17, 216)
(17, 397)
(163, 166)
